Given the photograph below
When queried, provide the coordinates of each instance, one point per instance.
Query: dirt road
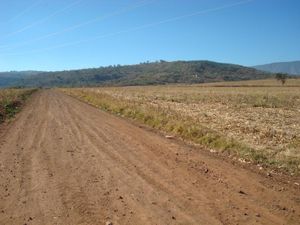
(65, 162)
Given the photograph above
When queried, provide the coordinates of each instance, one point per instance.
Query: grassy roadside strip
(11, 101)
(183, 126)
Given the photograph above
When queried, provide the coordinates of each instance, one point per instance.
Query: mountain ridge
(11, 77)
(292, 67)
(154, 73)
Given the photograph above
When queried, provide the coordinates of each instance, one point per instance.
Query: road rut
(65, 162)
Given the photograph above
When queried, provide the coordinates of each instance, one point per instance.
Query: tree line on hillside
(161, 72)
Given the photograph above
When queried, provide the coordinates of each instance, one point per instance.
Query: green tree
(281, 77)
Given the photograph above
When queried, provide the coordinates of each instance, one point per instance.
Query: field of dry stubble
(254, 121)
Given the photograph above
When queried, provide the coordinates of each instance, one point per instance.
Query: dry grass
(255, 122)
(11, 101)
(255, 83)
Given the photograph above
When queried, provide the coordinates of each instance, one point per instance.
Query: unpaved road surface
(65, 162)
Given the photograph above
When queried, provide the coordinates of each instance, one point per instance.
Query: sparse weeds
(11, 101)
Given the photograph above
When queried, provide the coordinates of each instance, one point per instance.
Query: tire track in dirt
(65, 162)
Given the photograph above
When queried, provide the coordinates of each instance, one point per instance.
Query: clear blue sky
(69, 34)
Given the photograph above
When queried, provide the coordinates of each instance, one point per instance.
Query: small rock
(169, 137)
(242, 160)
(257, 215)
(173, 218)
(206, 170)
(108, 223)
(293, 211)
(120, 197)
(296, 183)
(242, 192)
(281, 189)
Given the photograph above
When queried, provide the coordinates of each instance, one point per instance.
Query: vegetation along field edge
(11, 101)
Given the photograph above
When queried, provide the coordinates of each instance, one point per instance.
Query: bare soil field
(65, 162)
(256, 121)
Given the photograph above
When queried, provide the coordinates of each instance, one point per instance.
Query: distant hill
(10, 78)
(161, 72)
(292, 68)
